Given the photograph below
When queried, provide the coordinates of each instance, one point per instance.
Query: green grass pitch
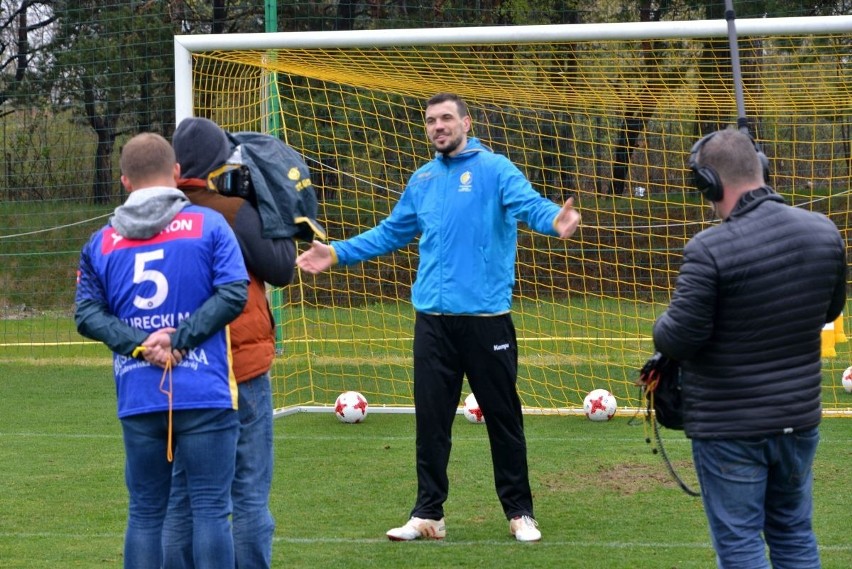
(602, 498)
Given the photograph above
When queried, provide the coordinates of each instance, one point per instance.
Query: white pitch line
(457, 437)
(509, 542)
(351, 436)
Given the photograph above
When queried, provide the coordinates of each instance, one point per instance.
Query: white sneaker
(524, 528)
(418, 527)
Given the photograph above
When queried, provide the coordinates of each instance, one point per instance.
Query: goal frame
(186, 45)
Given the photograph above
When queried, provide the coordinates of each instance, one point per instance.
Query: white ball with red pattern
(600, 405)
(351, 407)
(846, 380)
(471, 410)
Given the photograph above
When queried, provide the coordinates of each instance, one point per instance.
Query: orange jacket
(267, 260)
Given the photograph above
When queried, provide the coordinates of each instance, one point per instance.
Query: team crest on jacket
(465, 181)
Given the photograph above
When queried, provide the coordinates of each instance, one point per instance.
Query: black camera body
(237, 183)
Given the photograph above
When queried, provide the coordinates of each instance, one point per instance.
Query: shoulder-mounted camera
(233, 179)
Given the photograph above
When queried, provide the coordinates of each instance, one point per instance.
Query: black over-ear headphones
(707, 180)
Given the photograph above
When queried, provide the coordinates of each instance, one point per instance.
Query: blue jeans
(206, 438)
(759, 486)
(252, 520)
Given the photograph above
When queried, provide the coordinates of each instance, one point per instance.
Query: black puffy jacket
(750, 301)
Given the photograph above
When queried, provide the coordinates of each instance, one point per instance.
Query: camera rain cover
(284, 193)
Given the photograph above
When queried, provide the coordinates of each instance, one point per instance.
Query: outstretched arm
(567, 220)
(316, 259)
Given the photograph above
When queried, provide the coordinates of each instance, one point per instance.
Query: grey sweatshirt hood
(147, 212)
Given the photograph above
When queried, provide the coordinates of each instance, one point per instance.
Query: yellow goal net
(606, 113)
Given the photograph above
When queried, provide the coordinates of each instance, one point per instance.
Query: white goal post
(607, 111)
(185, 45)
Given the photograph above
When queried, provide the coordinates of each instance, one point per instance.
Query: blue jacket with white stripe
(466, 209)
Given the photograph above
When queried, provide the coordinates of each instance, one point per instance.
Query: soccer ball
(846, 380)
(350, 407)
(600, 405)
(472, 412)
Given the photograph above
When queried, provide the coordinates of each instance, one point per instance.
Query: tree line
(104, 68)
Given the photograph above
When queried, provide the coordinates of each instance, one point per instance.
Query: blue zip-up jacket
(466, 210)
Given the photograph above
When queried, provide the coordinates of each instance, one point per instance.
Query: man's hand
(568, 220)
(158, 348)
(316, 259)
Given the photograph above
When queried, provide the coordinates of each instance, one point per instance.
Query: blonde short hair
(147, 156)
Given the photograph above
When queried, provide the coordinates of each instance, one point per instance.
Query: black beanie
(200, 146)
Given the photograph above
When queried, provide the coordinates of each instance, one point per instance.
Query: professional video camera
(275, 179)
(234, 178)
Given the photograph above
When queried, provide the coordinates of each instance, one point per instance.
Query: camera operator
(751, 298)
(202, 148)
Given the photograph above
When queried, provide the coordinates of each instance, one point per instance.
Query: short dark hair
(733, 155)
(461, 106)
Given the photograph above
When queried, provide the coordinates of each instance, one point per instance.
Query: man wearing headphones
(750, 301)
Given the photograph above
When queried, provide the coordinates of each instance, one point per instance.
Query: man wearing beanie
(201, 146)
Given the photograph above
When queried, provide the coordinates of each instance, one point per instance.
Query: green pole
(271, 7)
(273, 127)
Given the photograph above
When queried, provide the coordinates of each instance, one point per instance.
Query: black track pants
(446, 348)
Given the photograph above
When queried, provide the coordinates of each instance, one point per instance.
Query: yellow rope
(167, 373)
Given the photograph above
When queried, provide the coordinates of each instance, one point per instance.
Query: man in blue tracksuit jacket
(465, 206)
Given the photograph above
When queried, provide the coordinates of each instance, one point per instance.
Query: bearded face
(446, 129)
